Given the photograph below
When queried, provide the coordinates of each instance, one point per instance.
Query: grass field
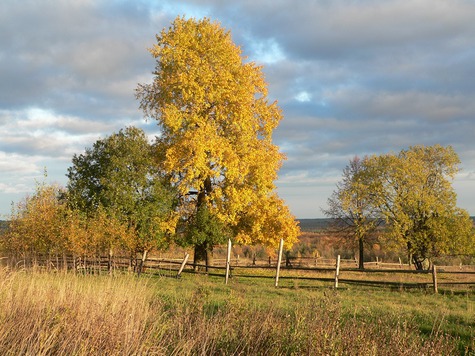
(56, 313)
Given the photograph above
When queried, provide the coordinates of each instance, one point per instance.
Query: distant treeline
(306, 225)
(3, 226)
(322, 224)
(314, 225)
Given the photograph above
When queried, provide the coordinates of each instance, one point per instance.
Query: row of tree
(208, 176)
(119, 200)
(408, 199)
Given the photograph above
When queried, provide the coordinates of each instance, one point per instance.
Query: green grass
(57, 313)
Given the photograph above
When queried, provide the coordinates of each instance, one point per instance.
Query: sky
(352, 77)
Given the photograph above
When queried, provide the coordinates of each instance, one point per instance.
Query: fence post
(183, 265)
(142, 262)
(279, 261)
(110, 265)
(434, 279)
(337, 271)
(228, 261)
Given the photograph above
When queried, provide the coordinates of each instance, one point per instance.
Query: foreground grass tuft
(46, 313)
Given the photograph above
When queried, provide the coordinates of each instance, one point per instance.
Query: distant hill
(314, 225)
(306, 225)
(3, 225)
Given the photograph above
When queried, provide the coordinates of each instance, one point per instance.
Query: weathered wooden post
(228, 261)
(279, 261)
(434, 279)
(337, 270)
(142, 262)
(183, 264)
(109, 261)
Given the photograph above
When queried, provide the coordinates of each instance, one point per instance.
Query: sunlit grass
(57, 313)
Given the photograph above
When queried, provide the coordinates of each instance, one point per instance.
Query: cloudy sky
(353, 77)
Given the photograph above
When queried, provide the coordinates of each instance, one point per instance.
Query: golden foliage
(43, 224)
(217, 128)
(34, 225)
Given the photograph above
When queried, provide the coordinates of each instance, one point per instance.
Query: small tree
(119, 175)
(351, 206)
(414, 192)
(216, 135)
(36, 225)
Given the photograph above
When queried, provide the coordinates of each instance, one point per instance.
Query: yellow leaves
(217, 127)
(267, 221)
(35, 222)
(169, 224)
(414, 191)
(44, 224)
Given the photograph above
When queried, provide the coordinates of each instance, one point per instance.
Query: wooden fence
(332, 272)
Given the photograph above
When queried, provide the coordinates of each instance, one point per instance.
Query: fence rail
(345, 272)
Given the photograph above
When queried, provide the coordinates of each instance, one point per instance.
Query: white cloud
(14, 188)
(352, 78)
(267, 51)
(303, 96)
(17, 165)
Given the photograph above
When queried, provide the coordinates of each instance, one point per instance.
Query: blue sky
(352, 78)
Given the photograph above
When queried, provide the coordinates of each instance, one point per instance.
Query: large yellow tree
(216, 137)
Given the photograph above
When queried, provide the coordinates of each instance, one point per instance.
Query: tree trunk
(416, 259)
(202, 250)
(361, 254)
(417, 262)
(287, 259)
(203, 253)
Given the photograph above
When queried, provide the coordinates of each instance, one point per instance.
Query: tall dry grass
(42, 314)
(66, 314)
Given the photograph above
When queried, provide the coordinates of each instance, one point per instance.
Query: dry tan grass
(66, 314)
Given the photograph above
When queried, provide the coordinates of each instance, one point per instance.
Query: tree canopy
(216, 132)
(413, 191)
(119, 175)
(351, 206)
(36, 226)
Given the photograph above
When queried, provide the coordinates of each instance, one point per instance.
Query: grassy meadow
(44, 313)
